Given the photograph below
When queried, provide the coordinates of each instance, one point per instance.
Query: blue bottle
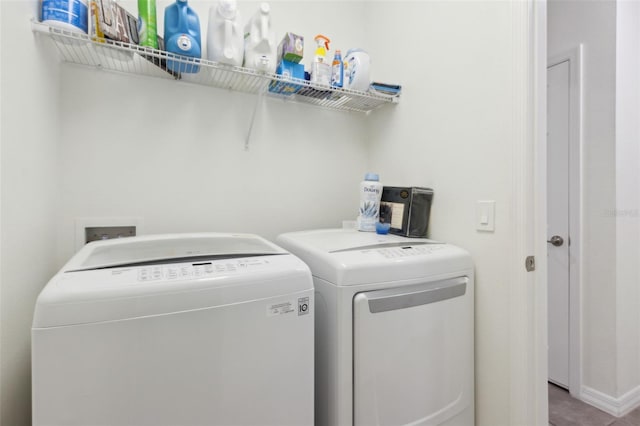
(337, 70)
(182, 35)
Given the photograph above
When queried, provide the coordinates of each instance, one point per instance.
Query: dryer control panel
(408, 251)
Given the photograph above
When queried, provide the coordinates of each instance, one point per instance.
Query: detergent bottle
(225, 41)
(260, 42)
(320, 68)
(356, 75)
(182, 35)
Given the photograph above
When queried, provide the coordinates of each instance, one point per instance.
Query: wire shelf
(128, 58)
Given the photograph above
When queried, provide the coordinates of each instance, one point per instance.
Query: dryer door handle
(413, 295)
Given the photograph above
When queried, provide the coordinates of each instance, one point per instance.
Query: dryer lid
(348, 257)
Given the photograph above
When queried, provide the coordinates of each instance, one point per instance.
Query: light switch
(485, 215)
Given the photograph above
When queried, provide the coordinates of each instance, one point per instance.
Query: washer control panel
(182, 271)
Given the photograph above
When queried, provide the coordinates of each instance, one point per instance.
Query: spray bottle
(320, 68)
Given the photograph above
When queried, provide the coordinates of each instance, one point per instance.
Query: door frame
(528, 290)
(574, 57)
(528, 391)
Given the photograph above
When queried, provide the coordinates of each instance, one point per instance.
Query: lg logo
(303, 306)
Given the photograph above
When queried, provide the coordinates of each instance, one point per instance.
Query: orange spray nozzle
(320, 38)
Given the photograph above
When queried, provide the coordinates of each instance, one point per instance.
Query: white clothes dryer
(191, 329)
(394, 328)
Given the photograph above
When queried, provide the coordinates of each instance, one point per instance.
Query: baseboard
(615, 406)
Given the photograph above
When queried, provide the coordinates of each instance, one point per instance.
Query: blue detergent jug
(182, 35)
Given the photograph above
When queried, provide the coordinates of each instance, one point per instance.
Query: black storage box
(406, 209)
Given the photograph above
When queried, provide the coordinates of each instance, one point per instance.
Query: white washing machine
(394, 328)
(192, 329)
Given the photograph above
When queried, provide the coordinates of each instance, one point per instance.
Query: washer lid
(347, 257)
(144, 276)
(174, 248)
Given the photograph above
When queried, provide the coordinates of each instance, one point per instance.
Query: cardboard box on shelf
(287, 70)
(291, 48)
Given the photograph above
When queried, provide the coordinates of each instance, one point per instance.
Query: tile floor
(564, 410)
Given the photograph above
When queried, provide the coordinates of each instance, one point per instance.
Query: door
(413, 355)
(558, 196)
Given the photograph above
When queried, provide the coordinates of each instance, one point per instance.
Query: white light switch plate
(485, 215)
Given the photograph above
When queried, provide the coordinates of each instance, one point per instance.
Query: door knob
(556, 240)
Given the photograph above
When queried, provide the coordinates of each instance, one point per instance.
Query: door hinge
(530, 263)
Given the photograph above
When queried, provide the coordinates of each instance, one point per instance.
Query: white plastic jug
(225, 42)
(260, 41)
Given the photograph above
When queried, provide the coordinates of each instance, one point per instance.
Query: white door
(558, 160)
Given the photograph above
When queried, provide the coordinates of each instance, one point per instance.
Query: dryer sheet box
(291, 48)
(406, 209)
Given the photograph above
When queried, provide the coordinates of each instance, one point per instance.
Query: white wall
(628, 195)
(179, 148)
(453, 132)
(593, 23)
(29, 135)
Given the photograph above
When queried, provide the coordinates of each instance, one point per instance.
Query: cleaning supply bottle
(260, 41)
(370, 195)
(357, 77)
(337, 70)
(147, 23)
(225, 41)
(320, 69)
(70, 15)
(182, 35)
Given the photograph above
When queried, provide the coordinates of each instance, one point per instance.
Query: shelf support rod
(253, 119)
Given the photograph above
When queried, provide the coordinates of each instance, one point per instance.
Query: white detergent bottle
(225, 41)
(260, 41)
(370, 195)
